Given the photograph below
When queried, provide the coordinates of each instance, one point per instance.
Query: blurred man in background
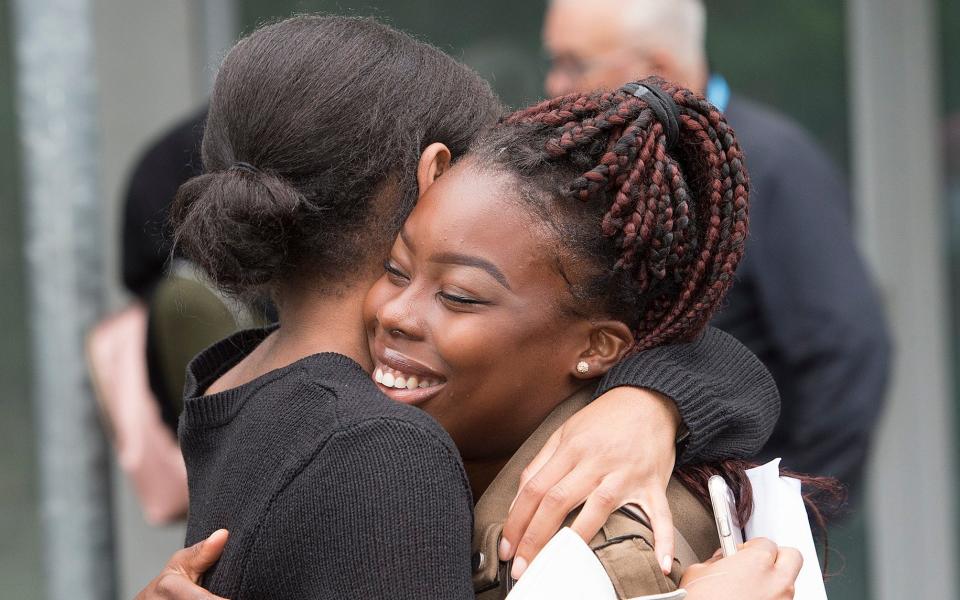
(804, 302)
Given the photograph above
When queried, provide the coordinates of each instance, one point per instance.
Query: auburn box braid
(659, 173)
(673, 218)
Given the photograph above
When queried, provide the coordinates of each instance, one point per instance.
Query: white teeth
(391, 378)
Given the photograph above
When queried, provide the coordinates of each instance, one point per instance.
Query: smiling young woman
(580, 230)
(321, 135)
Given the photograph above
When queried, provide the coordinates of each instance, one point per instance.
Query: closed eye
(460, 299)
(394, 272)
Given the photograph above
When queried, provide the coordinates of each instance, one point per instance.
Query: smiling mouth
(404, 380)
(398, 380)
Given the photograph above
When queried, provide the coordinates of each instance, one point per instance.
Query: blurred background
(876, 82)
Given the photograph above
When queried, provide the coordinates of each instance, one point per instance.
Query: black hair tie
(245, 167)
(662, 105)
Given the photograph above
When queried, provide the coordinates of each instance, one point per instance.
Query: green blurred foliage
(948, 28)
(499, 38)
(789, 55)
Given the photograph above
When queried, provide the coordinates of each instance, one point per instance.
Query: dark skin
(472, 297)
(480, 356)
(619, 449)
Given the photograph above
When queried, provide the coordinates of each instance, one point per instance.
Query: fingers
(557, 503)
(762, 546)
(597, 509)
(542, 458)
(661, 521)
(194, 561)
(528, 501)
(175, 586)
(789, 562)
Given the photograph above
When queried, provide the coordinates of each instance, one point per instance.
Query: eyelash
(460, 299)
(392, 270)
(395, 272)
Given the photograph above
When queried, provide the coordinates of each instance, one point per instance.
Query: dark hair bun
(237, 225)
(331, 114)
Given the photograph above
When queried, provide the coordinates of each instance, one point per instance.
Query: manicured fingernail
(667, 563)
(504, 549)
(519, 566)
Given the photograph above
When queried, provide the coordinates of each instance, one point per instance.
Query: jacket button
(479, 561)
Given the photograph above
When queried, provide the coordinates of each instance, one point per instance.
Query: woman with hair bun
(321, 135)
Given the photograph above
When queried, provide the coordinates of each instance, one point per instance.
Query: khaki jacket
(624, 545)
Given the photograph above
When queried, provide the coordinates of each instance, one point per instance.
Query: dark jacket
(804, 302)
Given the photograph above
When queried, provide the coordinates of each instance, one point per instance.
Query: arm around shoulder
(726, 397)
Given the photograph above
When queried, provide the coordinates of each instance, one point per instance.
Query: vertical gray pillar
(219, 28)
(57, 109)
(893, 71)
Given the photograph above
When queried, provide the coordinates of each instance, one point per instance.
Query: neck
(313, 322)
(482, 471)
(481, 474)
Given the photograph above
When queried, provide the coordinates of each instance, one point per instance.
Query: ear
(434, 160)
(609, 341)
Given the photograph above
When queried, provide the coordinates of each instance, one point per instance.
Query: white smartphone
(725, 514)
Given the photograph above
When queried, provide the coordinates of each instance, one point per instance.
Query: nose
(398, 316)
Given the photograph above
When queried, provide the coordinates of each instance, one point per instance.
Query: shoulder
(362, 410)
(759, 123)
(175, 153)
(788, 167)
(398, 442)
(769, 137)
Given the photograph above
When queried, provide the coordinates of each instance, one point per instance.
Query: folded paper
(780, 515)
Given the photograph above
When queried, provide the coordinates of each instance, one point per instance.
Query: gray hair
(679, 26)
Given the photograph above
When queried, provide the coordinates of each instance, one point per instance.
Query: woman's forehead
(470, 211)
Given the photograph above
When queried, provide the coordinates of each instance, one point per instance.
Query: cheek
(379, 294)
(495, 360)
(507, 374)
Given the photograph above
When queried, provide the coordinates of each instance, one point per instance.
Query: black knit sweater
(726, 397)
(328, 488)
(331, 490)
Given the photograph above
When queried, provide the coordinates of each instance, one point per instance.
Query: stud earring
(583, 367)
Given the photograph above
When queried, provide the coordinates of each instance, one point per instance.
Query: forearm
(725, 396)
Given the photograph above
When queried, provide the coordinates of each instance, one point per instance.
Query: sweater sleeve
(726, 397)
(383, 511)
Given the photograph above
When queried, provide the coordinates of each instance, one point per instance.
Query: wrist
(657, 412)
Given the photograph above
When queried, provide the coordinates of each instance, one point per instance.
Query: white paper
(566, 569)
(780, 515)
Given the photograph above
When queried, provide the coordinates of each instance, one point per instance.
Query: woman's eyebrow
(454, 258)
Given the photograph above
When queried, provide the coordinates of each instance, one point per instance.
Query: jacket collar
(493, 506)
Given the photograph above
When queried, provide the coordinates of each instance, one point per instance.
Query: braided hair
(670, 203)
(673, 219)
